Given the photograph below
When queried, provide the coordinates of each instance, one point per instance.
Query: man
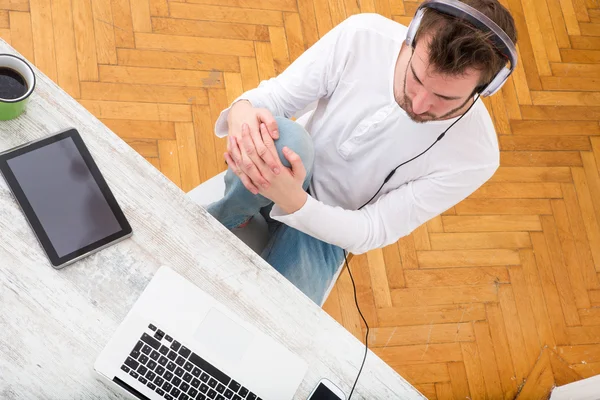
(378, 104)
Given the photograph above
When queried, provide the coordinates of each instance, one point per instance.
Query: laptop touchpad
(222, 335)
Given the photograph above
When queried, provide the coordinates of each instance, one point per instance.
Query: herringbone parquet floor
(500, 294)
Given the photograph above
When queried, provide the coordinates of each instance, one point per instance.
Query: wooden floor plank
(15, 5)
(218, 46)
(583, 353)
(425, 373)
(584, 253)
(350, 317)
(64, 37)
(105, 35)
(560, 113)
(565, 99)
(569, 251)
(558, 23)
(282, 5)
(147, 148)
(544, 143)
(168, 77)
(188, 159)
(506, 207)
(467, 258)
(501, 349)
(542, 190)
(85, 40)
(592, 173)
(43, 37)
(405, 316)
(394, 266)
(540, 381)
(141, 111)
(456, 276)
(489, 368)
(536, 297)
(364, 290)
(223, 30)
(529, 127)
(458, 380)
(131, 129)
(483, 240)
(264, 60)
(20, 29)
(470, 354)
(143, 93)
(381, 287)
(421, 353)
(178, 60)
(209, 162)
(444, 295)
(140, 16)
(408, 253)
(534, 174)
(491, 223)
(586, 205)
(509, 341)
(123, 21)
(527, 318)
(421, 334)
(169, 160)
(226, 14)
(559, 271)
(309, 22)
(548, 284)
(159, 7)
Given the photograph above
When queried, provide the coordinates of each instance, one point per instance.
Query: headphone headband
(463, 11)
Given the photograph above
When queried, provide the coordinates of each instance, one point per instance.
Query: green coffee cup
(17, 82)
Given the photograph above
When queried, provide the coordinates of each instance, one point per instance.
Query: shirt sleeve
(311, 76)
(392, 216)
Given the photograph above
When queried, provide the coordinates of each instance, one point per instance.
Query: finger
(243, 177)
(295, 161)
(234, 151)
(265, 147)
(234, 167)
(266, 117)
(250, 160)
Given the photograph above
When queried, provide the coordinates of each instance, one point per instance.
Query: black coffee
(12, 84)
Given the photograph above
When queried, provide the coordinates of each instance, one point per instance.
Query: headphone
(478, 19)
(502, 43)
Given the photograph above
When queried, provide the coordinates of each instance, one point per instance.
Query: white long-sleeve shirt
(360, 135)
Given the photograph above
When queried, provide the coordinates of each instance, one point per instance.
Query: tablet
(64, 197)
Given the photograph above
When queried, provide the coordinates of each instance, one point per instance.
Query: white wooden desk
(54, 323)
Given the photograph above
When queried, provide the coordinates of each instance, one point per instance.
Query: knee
(294, 136)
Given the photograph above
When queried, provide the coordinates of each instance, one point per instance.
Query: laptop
(178, 342)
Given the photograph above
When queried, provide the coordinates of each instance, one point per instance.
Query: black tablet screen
(64, 196)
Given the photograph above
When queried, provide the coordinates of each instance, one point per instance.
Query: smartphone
(326, 390)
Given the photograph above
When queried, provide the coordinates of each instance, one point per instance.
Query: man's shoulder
(371, 23)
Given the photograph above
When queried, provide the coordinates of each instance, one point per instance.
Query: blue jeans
(309, 263)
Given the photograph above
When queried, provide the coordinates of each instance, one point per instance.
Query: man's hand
(285, 189)
(242, 113)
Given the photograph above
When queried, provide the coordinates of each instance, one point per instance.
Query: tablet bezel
(56, 261)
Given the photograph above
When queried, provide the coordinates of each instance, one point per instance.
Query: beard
(406, 104)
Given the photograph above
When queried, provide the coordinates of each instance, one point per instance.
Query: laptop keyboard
(175, 372)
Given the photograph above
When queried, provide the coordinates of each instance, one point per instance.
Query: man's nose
(421, 103)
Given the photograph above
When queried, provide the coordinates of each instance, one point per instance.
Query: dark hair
(457, 45)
